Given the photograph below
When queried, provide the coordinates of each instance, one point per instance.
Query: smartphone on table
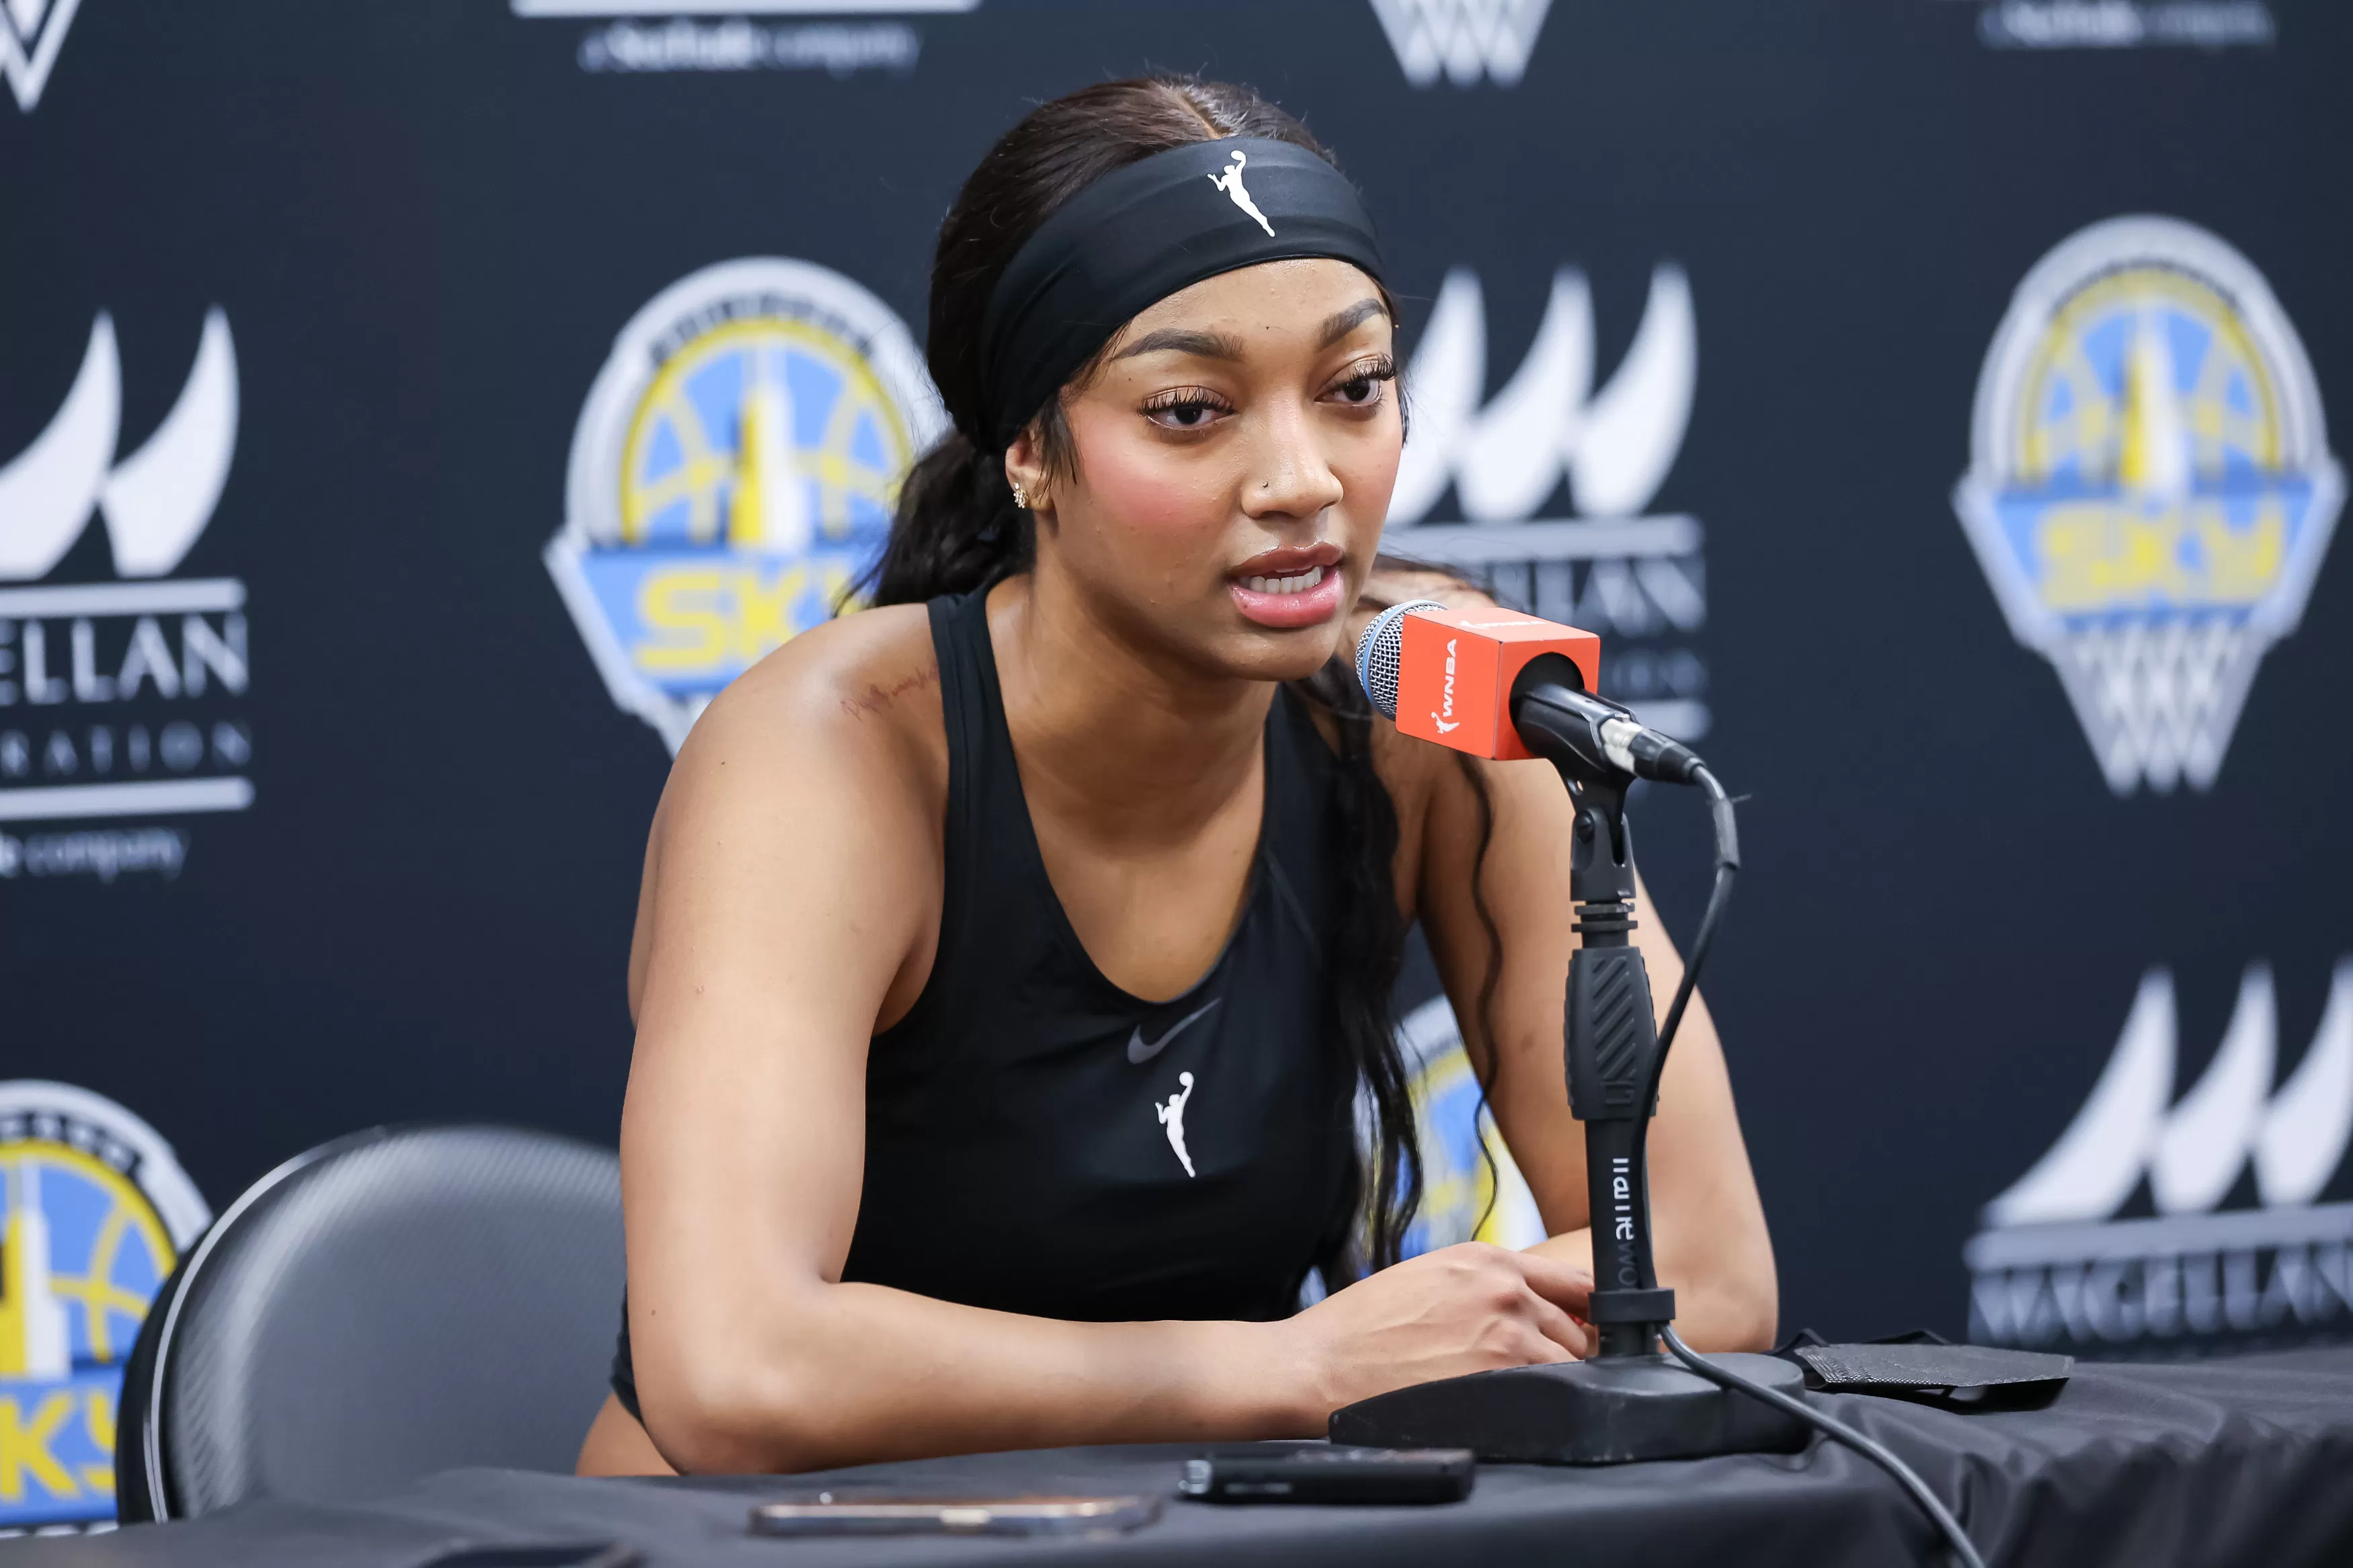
(1331, 1475)
(827, 1514)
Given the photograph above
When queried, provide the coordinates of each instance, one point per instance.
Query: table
(2244, 1461)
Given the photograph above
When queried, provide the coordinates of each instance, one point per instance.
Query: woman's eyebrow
(1178, 339)
(1340, 323)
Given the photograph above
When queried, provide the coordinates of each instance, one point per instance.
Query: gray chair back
(397, 1302)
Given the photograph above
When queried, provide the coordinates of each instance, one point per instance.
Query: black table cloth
(2246, 1461)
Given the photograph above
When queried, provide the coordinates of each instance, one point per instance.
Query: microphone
(1496, 683)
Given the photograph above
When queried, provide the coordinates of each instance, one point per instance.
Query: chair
(393, 1303)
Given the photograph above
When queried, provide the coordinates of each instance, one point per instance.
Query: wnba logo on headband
(1139, 233)
(1231, 182)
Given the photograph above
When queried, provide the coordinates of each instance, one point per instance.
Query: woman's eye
(1182, 414)
(1362, 390)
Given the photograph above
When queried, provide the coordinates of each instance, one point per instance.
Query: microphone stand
(1629, 1400)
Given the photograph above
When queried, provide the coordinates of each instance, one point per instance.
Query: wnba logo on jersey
(1172, 1120)
(733, 475)
(94, 1212)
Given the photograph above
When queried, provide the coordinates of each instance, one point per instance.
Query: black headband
(1139, 233)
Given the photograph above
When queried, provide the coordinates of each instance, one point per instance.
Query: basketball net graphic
(2159, 701)
(31, 33)
(1464, 41)
(2151, 491)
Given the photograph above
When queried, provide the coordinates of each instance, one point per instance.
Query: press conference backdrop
(410, 414)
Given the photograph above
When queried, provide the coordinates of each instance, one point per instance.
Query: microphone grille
(1377, 653)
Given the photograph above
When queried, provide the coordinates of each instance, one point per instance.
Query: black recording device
(1330, 1475)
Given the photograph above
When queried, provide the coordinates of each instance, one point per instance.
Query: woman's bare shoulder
(866, 680)
(853, 705)
(829, 749)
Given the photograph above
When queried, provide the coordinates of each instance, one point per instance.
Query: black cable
(1717, 898)
(1727, 865)
(1906, 1477)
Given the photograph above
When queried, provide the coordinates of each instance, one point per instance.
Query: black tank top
(1039, 1140)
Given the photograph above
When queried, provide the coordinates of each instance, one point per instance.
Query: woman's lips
(1306, 598)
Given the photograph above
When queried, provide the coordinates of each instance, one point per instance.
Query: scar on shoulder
(877, 697)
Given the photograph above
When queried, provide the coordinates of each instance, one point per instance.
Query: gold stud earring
(1020, 496)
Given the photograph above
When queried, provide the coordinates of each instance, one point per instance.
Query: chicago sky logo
(2054, 1265)
(118, 697)
(94, 1213)
(1462, 40)
(2150, 490)
(732, 474)
(31, 33)
(1471, 1190)
(1638, 580)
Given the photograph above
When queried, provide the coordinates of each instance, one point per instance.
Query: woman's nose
(1289, 476)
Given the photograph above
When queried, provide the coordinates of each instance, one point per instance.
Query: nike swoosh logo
(1140, 1051)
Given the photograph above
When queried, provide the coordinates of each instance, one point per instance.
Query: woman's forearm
(1718, 1307)
(1715, 1311)
(855, 1373)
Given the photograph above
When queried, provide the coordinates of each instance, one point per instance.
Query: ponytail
(957, 528)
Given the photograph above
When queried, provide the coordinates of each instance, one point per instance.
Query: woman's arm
(1708, 1226)
(794, 892)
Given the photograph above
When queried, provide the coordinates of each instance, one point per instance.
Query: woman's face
(1234, 457)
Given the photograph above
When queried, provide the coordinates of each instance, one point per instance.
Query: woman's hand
(1470, 1308)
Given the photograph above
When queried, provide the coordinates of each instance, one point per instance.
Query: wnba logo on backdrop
(2054, 1263)
(94, 1212)
(2150, 489)
(733, 475)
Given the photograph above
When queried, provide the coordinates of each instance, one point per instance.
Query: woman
(1010, 953)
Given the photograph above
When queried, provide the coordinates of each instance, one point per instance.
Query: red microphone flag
(1455, 669)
